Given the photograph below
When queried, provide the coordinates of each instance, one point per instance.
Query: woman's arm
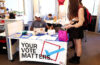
(81, 18)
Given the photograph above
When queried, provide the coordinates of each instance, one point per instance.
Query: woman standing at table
(75, 29)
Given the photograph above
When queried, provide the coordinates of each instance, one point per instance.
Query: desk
(37, 49)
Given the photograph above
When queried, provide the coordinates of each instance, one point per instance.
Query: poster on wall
(43, 51)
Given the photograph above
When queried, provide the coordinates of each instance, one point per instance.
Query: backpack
(88, 18)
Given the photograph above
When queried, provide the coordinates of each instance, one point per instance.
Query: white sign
(43, 51)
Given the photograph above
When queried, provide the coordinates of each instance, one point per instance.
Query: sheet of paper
(47, 37)
(34, 37)
(17, 35)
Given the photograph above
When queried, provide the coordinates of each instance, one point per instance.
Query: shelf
(2, 7)
(2, 1)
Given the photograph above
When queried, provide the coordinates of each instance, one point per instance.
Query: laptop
(39, 30)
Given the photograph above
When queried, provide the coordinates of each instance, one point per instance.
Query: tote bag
(62, 35)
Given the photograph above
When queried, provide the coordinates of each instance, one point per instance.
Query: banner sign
(43, 51)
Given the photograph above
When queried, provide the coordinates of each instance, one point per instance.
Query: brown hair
(49, 14)
(80, 1)
(73, 9)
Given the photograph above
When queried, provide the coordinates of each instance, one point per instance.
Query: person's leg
(73, 44)
(78, 46)
(78, 51)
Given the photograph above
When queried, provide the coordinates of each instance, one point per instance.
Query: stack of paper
(17, 35)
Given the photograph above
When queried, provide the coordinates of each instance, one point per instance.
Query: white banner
(43, 51)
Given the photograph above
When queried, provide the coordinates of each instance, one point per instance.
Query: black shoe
(72, 47)
(75, 60)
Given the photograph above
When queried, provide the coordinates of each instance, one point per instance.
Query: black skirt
(76, 33)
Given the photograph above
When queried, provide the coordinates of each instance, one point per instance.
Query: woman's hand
(69, 26)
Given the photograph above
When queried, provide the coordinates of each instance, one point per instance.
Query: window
(48, 6)
(14, 5)
(92, 6)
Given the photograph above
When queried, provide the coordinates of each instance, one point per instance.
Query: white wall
(96, 7)
(47, 6)
(44, 7)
